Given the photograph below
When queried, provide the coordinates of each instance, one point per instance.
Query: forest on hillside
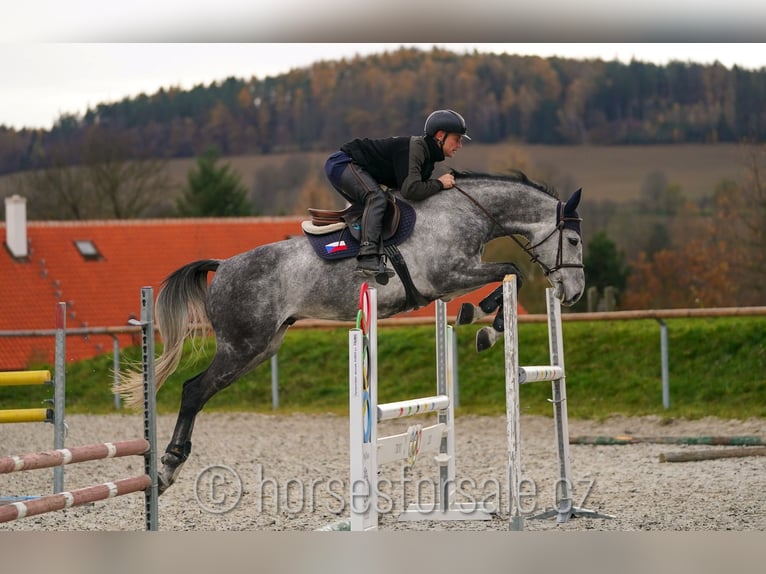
(182, 153)
(505, 98)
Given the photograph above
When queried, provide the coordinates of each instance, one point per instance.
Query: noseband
(562, 222)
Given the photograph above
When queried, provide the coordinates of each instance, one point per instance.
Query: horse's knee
(492, 301)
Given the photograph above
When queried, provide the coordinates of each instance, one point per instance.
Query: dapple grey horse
(255, 296)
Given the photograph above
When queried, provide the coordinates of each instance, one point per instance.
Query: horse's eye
(574, 241)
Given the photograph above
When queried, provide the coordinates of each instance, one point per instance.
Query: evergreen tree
(213, 190)
(604, 265)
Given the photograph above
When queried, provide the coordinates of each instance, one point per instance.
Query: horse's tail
(179, 311)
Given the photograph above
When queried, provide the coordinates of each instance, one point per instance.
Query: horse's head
(514, 205)
(557, 248)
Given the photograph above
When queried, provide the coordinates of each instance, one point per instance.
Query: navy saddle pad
(341, 244)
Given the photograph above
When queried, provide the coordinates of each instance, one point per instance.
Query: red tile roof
(106, 292)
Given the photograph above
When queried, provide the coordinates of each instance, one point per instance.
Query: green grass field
(717, 368)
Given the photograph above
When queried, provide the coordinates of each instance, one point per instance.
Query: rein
(562, 220)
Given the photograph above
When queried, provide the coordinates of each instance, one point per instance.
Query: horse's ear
(573, 201)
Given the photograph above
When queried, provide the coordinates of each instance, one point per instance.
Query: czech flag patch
(335, 247)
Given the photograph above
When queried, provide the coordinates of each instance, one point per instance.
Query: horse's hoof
(486, 337)
(166, 477)
(162, 486)
(171, 468)
(466, 315)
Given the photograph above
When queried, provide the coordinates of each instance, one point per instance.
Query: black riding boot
(360, 187)
(369, 260)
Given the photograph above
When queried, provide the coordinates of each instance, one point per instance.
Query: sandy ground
(290, 473)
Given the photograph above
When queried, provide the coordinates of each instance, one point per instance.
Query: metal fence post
(274, 382)
(664, 363)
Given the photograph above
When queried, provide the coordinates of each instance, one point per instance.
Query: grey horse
(255, 296)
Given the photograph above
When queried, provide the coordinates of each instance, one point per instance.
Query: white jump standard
(368, 450)
(514, 376)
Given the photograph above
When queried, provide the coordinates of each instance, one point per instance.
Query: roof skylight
(87, 249)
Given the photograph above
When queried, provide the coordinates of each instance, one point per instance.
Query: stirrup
(384, 274)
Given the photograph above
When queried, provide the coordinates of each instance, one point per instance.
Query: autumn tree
(122, 184)
(658, 239)
(110, 183)
(740, 226)
(723, 269)
(213, 190)
(316, 192)
(696, 275)
(57, 192)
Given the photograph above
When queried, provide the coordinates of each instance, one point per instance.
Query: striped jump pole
(77, 497)
(515, 376)
(368, 450)
(51, 458)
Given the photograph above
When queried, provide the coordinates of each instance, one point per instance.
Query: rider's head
(447, 127)
(447, 121)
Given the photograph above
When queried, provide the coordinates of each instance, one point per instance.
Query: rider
(361, 166)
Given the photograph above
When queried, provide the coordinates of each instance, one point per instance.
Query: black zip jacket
(403, 163)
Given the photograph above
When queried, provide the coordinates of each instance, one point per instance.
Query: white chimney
(16, 225)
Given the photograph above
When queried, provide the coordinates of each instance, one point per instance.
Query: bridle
(562, 222)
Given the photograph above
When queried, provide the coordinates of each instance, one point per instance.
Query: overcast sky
(41, 81)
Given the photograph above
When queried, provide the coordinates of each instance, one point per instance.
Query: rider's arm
(413, 187)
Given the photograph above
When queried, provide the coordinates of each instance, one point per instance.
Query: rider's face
(451, 143)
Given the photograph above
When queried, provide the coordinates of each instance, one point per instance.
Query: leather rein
(562, 220)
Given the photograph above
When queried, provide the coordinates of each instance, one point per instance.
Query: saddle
(334, 234)
(324, 221)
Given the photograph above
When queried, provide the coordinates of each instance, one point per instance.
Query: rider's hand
(448, 180)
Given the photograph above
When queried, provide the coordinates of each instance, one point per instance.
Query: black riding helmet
(447, 120)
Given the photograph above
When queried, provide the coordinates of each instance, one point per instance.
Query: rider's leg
(360, 185)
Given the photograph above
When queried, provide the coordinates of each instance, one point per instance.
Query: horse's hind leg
(179, 447)
(227, 366)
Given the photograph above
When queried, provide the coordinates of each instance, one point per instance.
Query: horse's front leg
(486, 337)
(470, 313)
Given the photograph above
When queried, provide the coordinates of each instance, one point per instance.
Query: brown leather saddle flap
(321, 217)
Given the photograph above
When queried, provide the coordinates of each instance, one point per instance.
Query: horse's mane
(514, 176)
